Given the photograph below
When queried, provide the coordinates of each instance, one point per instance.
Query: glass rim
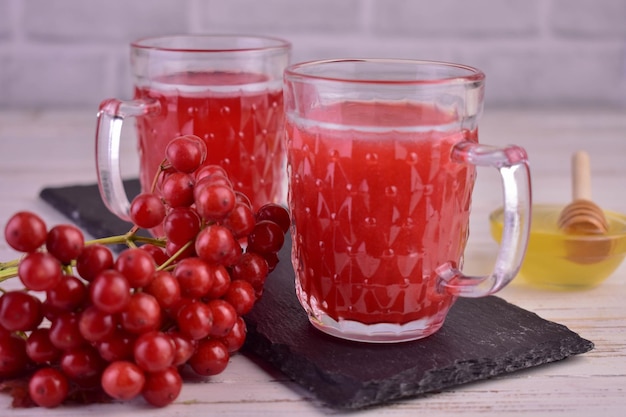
(156, 43)
(473, 75)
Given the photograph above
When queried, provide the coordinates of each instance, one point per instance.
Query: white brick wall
(73, 53)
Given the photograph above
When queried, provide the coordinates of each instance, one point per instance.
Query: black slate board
(481, 338)
(82, 204)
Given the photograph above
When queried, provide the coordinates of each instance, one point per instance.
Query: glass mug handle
(111, 115)
(512, 162)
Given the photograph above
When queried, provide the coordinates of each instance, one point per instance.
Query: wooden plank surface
(39, 149)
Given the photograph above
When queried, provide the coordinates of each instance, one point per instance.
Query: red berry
(13, 358)
(276, 213)
(162, 387)
(242, 198)
(118, 346)
(110, 291)
(95, 325)
(224, 317)
(184, 347)
(25, 231)
(172, 248)
(39, 271)
(181, 225)
(83, 365)
(157, 253)
(235, 339)
(136, 265)
(208, 180)
(93, 260)
(252, 268)
(65, 242)
(147, 210)
(210, 358)
(266, 237)
(39, 348)
(241, 295)
(216, 244)
(48, 387)
(195, 320)
(141, 314)
(240, 220)
(272, 260)
(214, 202)
(186, 153)
(123, 380)
(50, 312)
(65, 332)
(69, 294)
(221, 281)
(210, 170)
(194, 277)
(4, 332)
(177, 189)
(165, 288)
(154, 351)
(20, 311)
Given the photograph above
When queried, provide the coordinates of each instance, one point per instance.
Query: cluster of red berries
(128, 324)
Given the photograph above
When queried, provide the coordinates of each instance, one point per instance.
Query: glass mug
(226, 89)
(381, 156)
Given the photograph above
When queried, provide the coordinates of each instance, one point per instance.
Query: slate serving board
(481, 338)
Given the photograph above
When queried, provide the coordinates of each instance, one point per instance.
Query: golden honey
(560, 260)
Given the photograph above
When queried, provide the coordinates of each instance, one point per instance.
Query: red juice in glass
(240, 117)
(226, 89)
(377, 205)
(381, 159)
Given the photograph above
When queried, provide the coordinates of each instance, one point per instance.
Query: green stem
(9, 269)
(9, 264)
(6, 273)
(172, 258)
(126, 239)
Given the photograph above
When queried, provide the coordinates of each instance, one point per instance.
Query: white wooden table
(40, 149)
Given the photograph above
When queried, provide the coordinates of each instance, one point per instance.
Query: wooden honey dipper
(582, 216)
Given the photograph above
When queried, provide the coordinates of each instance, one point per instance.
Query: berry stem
(127, 239)
(9, 269)
(9, 264)
(162, 167)
(175, 256)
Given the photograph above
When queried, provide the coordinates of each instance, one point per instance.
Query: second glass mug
(381, 158)
(226, 89)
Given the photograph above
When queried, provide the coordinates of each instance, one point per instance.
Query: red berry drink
(238, 114)
(225, 89)
(377, 204)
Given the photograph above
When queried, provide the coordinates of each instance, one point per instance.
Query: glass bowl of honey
(560, 260)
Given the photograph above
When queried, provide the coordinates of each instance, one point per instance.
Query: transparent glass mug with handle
(382, 158)
(226, 89)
